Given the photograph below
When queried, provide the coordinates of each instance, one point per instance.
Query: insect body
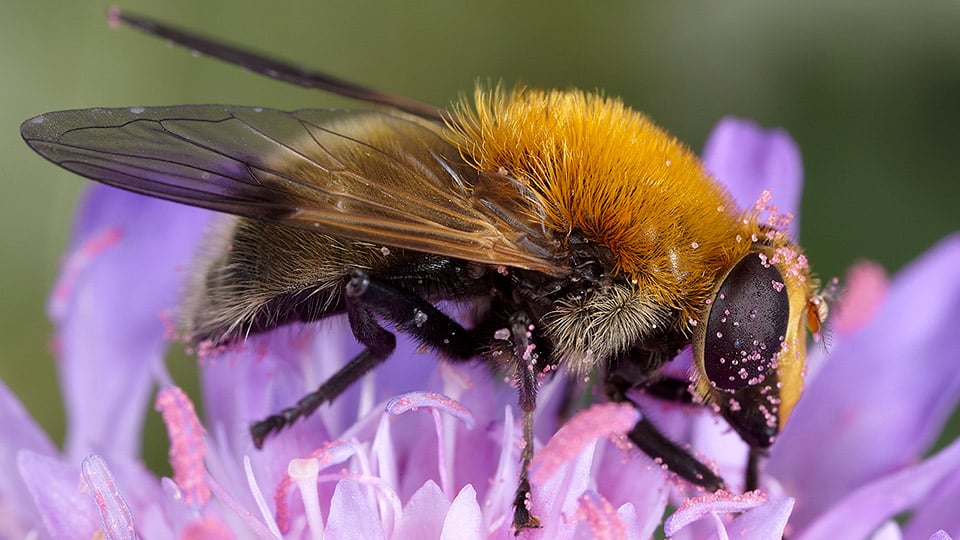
(585, 237)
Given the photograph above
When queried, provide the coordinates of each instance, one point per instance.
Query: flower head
(421, 449)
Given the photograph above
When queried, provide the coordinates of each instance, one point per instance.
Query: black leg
(656, 445)
(670, 389)
(648, 438)
(678, 391)
(752, 478)
(366, 298)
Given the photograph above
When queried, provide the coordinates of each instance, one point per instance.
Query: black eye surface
(747, 324)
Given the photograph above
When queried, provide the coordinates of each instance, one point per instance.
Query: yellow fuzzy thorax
(609, 172)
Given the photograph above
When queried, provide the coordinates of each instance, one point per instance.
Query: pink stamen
(187, 447)
(865, 291)
(603, 420)
(600, 515)
(414, 400)
(331, 453)
(78, 261)
(116, 519)
(438, 403)
(208, 527)
(712, 504)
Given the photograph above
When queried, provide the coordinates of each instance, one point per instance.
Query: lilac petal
(20, 432)
(464, 519)
(939, 510)
(64, 510)
(904, 365)
(499, 498)
(629, 478)
(637, 528)
(558, 496)
(888, 531)
(749, 160)
(765, 521)
(350, 515)
(125, 270)
(940, 535)
(423, 515)
(866, 508)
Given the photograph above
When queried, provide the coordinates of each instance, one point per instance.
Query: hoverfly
(585, 237)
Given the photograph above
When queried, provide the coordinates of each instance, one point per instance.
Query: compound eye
(747, 325)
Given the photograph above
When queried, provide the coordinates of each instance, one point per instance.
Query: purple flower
(421, 449)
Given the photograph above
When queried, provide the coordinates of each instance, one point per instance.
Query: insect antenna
(273, 68)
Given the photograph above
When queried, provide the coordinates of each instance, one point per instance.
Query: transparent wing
(363, 175)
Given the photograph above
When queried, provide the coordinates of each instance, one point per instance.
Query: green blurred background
(870, 90)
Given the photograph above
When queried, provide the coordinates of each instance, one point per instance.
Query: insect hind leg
(366, 299)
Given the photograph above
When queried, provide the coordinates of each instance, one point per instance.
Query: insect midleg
(366, 298)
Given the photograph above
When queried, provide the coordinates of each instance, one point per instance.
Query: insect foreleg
(524, 350)
(651, 441)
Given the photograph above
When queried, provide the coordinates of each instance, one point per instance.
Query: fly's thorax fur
(592, 328)
(597, 168)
